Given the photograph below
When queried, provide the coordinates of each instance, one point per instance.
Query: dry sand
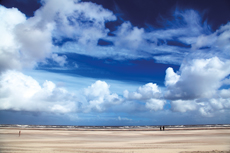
(114, 141)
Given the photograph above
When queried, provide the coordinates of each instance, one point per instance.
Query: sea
(113, 127)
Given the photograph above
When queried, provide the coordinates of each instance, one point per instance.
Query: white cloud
(183, 105)
(199, 78)
(30, 40)
(145, 92)
(9, 48)
(99, 97)
(129, 36)
(219, 39)
(101, 51)
(214, 44)
(170, 58)
(22, 93)
(206, 111)
(61, 60)
(133, 95)
(196, 87)
(155, 104)
(171, 77)
(150, 94)
(204, 41)
(35, 42)
(213, 107)
(220, 103)
(25, 42)
(185, 27)
(205, 107)
(82, 21)
(132, 42)
(225, 93)
(226, 81)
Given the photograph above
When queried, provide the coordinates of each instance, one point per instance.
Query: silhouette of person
(163, 128)
(19, 133)
(160, 128)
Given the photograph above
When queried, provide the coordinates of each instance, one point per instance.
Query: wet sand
(212, 140)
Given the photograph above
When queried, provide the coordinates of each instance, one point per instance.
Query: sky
(114, 62)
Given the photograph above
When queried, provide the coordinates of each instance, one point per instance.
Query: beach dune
(114, 141)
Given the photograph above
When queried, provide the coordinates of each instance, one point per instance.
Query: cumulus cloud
(171, 77)
(196, 87)
(129, 36)
(20, 92)
(150, 94)
(199, 78)
(35, 40)
(155, 104)
(9, 48)
(25, 42)
(225, 93)
(183, 105)
(205, 107)
(147, 91)
(213, 107)
(61, 60)
(99, 97)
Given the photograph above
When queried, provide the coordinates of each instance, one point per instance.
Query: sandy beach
(211, 140)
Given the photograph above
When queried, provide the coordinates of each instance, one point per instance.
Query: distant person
(19, 133)
(163, 128)
(160, 128)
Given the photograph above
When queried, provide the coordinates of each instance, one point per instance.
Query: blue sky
(132, 62)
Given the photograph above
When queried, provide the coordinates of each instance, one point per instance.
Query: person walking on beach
(163, 128)
(160, 128)
(19, 133)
